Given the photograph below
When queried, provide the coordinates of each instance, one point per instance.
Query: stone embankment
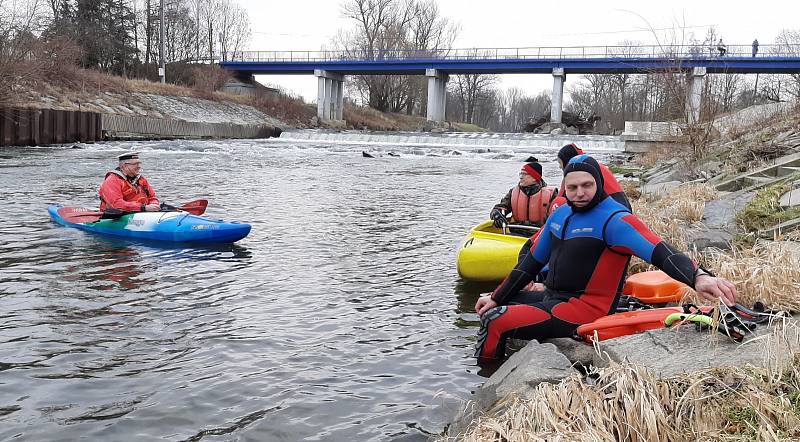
(136, 116)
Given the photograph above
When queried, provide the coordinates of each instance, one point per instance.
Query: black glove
(498, 217)
(168, 208)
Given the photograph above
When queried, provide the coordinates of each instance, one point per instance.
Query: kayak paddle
(83, 215)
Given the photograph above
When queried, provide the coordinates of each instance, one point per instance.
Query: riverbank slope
(90, 91)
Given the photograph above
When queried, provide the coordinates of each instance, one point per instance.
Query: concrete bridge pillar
(330, 95)
(557, 99)
(437, 94)
(694, 94)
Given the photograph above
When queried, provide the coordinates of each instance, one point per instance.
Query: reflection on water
(340, 317)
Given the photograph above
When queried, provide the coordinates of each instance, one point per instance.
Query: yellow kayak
(486, 254)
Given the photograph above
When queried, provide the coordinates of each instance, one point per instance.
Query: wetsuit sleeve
(111, 193)
(625, 233)
(527, 269)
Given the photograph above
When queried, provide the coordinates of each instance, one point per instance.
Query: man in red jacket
(124, 189)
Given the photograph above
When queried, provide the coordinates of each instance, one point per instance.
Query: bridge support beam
(694, 94)
(330, 95)
(437, 94)
(557, 98)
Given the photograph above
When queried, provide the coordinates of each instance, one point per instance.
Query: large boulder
(671, 351)
(523, 371)
(519, 375)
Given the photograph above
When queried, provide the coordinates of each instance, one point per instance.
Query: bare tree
(386, 29)
(469, 90)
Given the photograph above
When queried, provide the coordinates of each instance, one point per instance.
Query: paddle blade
(197, 207)
(79, 214)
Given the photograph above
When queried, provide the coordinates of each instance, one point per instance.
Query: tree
(386, 29)
(470, 89)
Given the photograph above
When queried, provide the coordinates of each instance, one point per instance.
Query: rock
(712, 168)
(313, 122)
(664, 176)
(790, 199)
(702, 238)
(792, 246)
(366, 155)
(557, 131)
(571, 130)
(721, 213)
(671, 351)
(578, 352)
(523, 371)
(520, 374)
(392, 154)
(659, 189)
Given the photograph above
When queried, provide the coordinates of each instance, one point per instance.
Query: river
(340, 317)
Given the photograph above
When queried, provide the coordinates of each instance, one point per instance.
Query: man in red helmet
(529, 201)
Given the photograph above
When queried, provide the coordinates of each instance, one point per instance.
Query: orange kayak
(627, 323)
(655, 287)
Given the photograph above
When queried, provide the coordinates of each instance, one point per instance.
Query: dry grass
(365, 117)
(670, 216)
(655, 156)
(768, 272)
(628, 403)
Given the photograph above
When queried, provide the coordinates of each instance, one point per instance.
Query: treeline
(119, 37)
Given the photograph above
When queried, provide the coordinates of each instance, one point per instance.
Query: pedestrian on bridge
(755, 47)
(721, 48)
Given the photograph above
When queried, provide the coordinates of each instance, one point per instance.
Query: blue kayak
(159, 226)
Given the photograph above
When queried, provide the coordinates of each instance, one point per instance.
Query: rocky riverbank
(723, 202)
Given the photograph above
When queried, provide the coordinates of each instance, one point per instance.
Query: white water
(500, 141)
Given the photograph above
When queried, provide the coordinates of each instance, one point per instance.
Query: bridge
(696, 61)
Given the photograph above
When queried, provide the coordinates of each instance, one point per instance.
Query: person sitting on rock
(528, 201)
(124, 189)
(586, 244)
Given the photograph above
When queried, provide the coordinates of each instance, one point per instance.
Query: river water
(340, 317)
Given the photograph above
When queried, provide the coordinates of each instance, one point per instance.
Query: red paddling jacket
(128, 194)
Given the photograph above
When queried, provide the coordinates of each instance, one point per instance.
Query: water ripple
(340, 317)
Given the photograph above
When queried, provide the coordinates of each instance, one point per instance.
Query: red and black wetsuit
(587, 253)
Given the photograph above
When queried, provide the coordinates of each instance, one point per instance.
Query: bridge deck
(762, 65)
(577, 60)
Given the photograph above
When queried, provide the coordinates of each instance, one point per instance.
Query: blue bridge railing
(527, 53)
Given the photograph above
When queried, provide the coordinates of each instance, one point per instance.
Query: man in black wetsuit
(586, 244)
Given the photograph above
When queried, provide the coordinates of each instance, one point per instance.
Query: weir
(591, 143)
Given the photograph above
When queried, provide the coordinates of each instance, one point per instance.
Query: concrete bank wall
(119, 126)
(35, 127)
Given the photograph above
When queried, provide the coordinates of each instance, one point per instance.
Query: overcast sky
(309, 25)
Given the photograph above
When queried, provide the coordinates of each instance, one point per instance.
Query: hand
(152, 208)
(712, 288)
(164, 207)
(499, 217)
(484, 304)
(534, 287)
